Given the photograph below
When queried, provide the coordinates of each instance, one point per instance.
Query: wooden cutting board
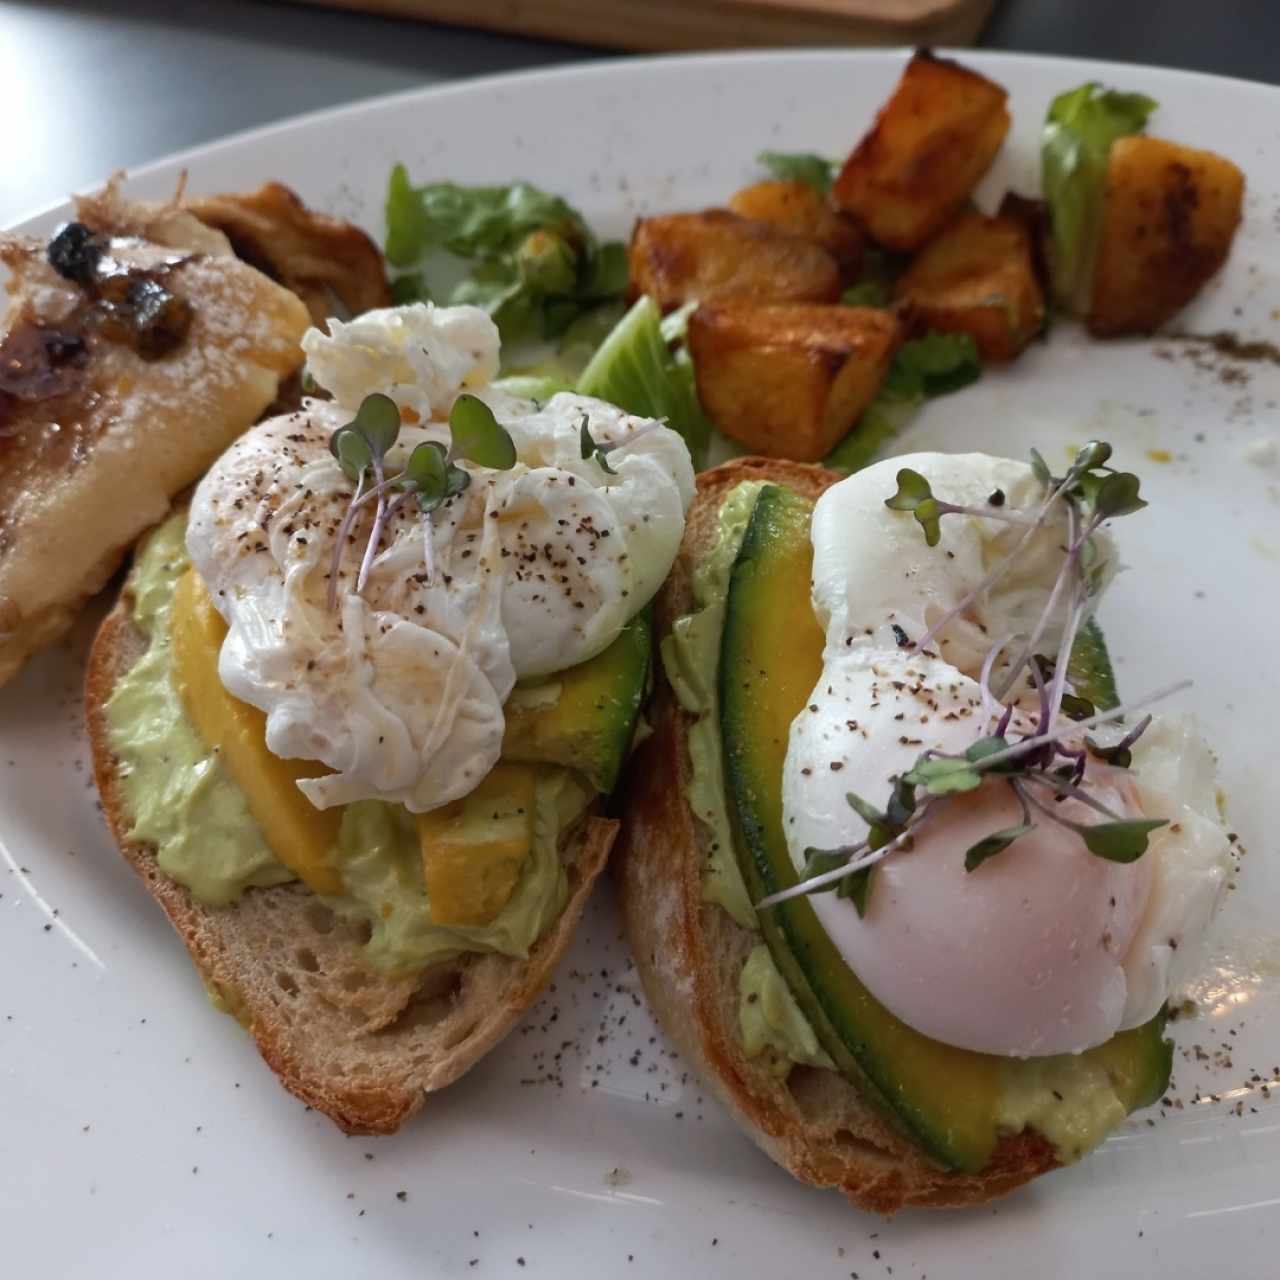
(705, 24)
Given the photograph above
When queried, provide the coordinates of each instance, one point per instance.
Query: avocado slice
(947, 1099)
(585, 717)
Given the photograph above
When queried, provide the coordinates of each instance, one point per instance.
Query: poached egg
(400, 688)
(1044, 948)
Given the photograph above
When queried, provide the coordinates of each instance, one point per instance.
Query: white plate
(139, 1131)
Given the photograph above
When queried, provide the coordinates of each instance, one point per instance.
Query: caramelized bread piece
(99, 428)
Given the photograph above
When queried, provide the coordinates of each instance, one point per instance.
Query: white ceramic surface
(139, 1133)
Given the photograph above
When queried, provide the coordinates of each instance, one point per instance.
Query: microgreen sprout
(916, 496)
(430, 475)
(1039, 759)
(592, 448)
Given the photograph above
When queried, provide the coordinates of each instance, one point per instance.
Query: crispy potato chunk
(1168, 218)
(796, 207)
(708, 256)
(789, 380)
(977, 277)
(931, 142)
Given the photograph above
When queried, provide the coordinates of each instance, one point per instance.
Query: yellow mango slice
(300, 835)
(474, 849)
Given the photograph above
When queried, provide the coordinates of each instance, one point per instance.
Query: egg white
(537, 568)
(1045, 948)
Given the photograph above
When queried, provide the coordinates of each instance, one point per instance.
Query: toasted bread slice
(690, 952)
(363, 1048)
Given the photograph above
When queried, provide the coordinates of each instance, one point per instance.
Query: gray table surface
(92, 86)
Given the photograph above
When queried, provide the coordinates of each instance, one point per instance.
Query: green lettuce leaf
(1078, 133)
(532, 262)
(933, 365)
(800, 166)
(635, 369)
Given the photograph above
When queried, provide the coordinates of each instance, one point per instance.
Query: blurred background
(89, 87)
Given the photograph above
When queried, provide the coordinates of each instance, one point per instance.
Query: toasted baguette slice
(363, 1048)
(690, 952)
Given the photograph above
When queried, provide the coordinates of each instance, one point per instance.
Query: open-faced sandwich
(901, 880)
(358, 708)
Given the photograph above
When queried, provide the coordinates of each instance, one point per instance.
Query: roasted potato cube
(800, 209)
(931, 142)
(704, 257)
(1168, 217)
(978, 277)
(789, 380)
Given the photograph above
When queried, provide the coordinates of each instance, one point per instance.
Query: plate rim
(595, 67)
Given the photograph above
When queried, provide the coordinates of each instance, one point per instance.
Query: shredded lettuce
(934, 365)
(637, 370)
(800, 166)
(1078, 133)
(532, 262)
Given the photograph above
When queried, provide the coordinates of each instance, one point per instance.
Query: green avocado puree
(175, 790)
(181, 800)
(1067, 1099)
(770, 1019)
(691, 659)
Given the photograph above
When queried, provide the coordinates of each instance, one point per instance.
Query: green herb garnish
(430, 475)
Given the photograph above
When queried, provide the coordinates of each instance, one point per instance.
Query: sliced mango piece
(301, 836)
(474, 849)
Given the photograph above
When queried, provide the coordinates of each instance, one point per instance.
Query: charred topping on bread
(130, 305)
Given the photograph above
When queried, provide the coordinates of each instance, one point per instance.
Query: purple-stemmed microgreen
(916, 496)
(1121, 755)
(360, 448)
(430, 475)
(1093, 493)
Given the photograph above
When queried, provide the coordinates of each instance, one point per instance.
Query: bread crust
(689, 952)
(363, 1048)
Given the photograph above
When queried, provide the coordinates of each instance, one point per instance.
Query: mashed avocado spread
(691, 659)
(769, 1017)
(182, 801)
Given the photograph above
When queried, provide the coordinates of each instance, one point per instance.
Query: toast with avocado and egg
(976, 998)
(357, 713)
